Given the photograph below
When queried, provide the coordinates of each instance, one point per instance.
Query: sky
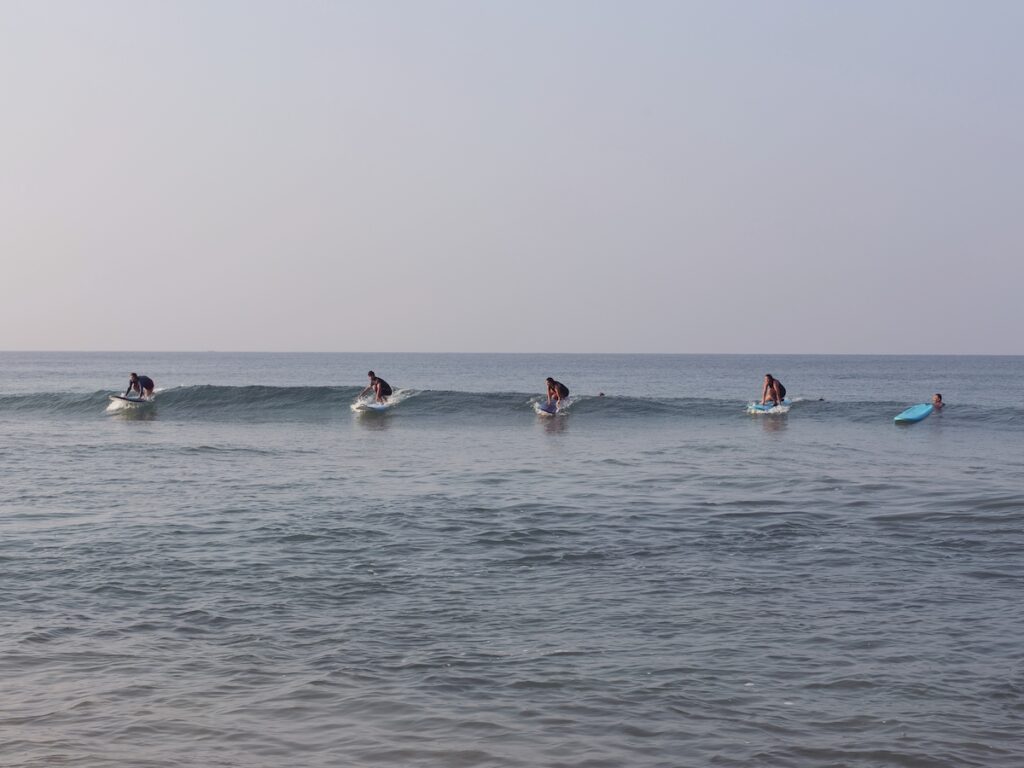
(528, 176)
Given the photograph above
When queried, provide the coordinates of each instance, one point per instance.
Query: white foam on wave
(119, 406)
(563, 406)
(535, 404)
(401, 395)
(397, 396)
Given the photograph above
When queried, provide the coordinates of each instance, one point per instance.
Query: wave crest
(268, 403)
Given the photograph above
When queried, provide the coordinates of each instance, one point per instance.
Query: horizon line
(545, 354)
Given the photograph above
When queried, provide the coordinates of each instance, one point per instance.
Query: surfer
(773, 390)
(141, 384)
(556, 390)
(381, 389)
(937, 401)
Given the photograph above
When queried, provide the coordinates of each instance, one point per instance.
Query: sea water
(247, 573)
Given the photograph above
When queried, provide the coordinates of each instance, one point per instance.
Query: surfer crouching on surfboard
(773, 390)
(556, 390)
(380, 388)
(141, 384)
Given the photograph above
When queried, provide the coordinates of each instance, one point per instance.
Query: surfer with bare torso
(557, 391)
(773, 390)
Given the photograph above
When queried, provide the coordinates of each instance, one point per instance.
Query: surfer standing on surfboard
(556, 390)
(141, 384)
(773, 390)
(380, 388)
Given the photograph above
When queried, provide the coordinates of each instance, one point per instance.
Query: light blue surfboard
(914, 414)
(768, 407)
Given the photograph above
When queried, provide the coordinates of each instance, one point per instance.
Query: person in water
(557, 391)
(937, 401)
(141, 384)
(773, 390)
(381, 389)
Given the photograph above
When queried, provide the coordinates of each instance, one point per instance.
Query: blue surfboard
(914, 414)
(549, 408)
(769, 408)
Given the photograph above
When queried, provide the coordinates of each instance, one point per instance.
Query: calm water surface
(250, 574)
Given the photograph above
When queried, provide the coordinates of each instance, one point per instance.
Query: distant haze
(512, 176)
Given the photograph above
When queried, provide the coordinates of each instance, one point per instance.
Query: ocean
(248, 573)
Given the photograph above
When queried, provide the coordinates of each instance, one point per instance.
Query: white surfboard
(363, 406)
(132, 400)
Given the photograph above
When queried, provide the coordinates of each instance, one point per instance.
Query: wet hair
(133, 375)
(769, 376)
(548, 379)
(938, 395)
(371, 373)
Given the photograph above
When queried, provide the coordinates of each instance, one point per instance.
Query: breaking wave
(266, 403)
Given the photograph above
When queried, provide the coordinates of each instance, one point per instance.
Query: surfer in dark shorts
(141, 384)
(773, 390)
(557, 391)
(381, 389)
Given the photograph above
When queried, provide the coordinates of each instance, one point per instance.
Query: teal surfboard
(782, 407)
(914, 414)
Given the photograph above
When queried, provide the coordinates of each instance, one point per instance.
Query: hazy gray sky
(512, 176)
